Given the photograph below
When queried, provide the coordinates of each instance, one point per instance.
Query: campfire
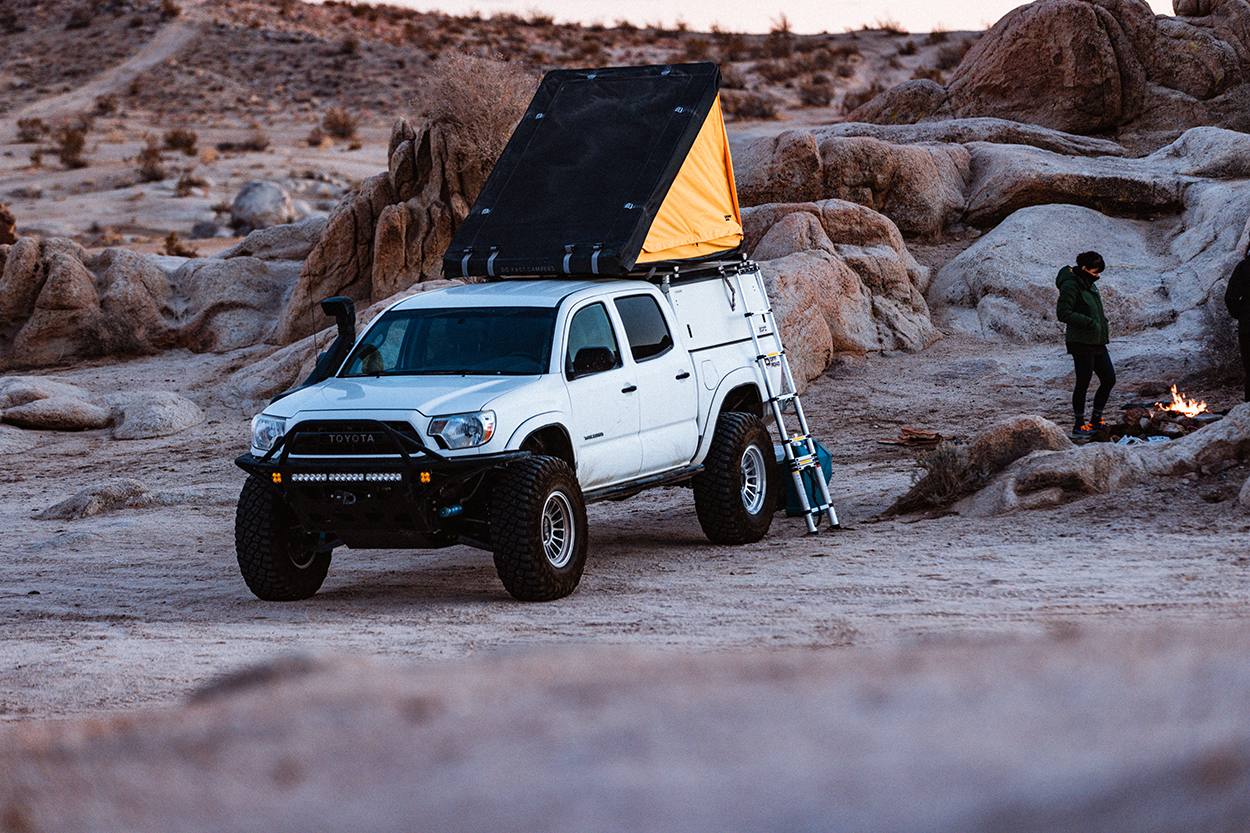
(1148, 421)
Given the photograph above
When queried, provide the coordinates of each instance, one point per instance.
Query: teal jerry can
(793, 508)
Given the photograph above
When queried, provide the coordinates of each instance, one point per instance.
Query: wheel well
(552, 442)
(745, 399)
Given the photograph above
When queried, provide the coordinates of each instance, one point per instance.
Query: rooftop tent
(610, 171)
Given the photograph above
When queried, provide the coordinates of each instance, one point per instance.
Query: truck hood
(428, 395)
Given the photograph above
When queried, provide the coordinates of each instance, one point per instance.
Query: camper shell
(612, 345)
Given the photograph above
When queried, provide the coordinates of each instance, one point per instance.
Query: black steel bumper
(414, 497)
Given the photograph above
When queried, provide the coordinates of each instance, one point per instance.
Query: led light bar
(348, 477)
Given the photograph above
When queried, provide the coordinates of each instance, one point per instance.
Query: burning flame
(1184, 405)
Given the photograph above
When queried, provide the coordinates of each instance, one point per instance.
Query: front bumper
(413, 498)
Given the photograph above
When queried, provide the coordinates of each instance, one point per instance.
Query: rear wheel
(277, 557)
(736, 493)
(538, 529)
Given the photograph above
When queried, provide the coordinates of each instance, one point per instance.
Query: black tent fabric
(585, 172)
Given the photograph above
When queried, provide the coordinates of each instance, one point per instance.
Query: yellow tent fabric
(699, 215)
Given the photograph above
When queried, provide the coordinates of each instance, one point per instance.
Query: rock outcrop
(1050, 478)
(8, 225)
(143, 415)
(1096, 66)
(260, 204)
(920, 187)
(58, 304)
(392, 232)
(864, 292)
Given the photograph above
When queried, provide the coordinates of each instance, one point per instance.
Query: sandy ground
(136, 608)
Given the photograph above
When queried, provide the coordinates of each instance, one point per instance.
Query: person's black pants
(1243, 335)
(1086, 366)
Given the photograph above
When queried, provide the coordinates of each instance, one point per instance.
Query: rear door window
(645, 326)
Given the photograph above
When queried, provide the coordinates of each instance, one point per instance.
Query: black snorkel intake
(343, 311)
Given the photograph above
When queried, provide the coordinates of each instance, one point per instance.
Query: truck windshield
(508, 341)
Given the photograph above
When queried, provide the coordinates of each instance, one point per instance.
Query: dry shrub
(174, 247)
(481, 99)
(938, 35)
(943, 477)
(181, 139)
(931, 73)
(339, 123)
(908, 47)
(151, 165)
(31, 130)
(740, 104)
(71, 144)
(889, 26)
(777, 72)
(817, 92)
(856, 98)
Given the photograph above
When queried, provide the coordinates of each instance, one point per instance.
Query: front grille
(336, 438)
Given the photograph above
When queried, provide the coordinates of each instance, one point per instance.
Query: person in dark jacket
(1080, 307)
(1237, 299)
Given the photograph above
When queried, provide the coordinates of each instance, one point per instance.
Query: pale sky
(805, 16)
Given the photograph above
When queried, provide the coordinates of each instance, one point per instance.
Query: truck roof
(516, 293)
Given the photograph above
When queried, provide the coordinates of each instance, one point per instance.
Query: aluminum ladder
(801, 457)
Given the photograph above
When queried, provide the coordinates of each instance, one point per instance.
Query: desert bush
(730, 46)
(256, 140)
(943, 476)
(731, 79)
(695, 50)
(174, 247)
(748, 105)
(780, 40)
(777, 72)
(316, 137)
(817, 92)
(931, 73)
(10, 23)
(151, 166)
(187, 183)
(169, 10)
(350, 45)
(71, 144)
(908, 47)
(889, 26)
(855, 98)
(105, 105)
(339, 123)
(181, 139)
(844, 69)
(938, 35)
(31, 130)
(480, 97)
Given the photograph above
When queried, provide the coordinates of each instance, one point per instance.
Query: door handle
(629, 389)
(685, 374)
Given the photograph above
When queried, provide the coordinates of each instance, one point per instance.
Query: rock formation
(8, 225)
(261, 204)
(1050, 478)
(1096, 66)
(863, 292)
(1164, 272)
(392, 232)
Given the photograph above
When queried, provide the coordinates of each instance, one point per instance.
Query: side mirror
(593, 360)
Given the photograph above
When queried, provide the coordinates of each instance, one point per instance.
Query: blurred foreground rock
(1102, 732)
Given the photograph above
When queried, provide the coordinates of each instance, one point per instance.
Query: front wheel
(277, 557)
(538, 529)
(736, 493)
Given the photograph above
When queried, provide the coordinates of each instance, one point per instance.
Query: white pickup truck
(489, 414)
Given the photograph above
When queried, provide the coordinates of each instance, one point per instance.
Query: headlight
(266, 430)
(464, 430)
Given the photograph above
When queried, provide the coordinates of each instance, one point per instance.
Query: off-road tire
(276, 557)
(538, 529)
(737, 492)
